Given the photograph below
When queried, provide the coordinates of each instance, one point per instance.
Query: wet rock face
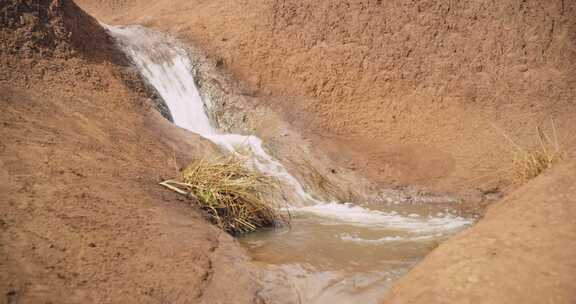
(34, 27)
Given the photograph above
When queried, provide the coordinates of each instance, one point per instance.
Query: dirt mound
(82, 217)
(416, 93)
(34, 27)
(48, 28)
(523, 251)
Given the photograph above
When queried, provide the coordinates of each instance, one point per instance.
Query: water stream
(332, 252)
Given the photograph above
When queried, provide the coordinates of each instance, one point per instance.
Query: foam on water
(360, 216)
(347, 237)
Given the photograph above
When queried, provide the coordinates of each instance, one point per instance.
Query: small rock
(11, 296)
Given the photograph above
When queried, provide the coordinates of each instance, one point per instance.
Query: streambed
(332, 252)
(325, 257)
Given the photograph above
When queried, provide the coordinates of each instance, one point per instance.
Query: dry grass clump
(232, 195)
(530, 162)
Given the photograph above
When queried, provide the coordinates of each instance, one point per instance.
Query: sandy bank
(82, 218)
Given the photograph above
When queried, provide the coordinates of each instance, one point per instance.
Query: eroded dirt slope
(82, 218)
(523, 251)
(418, 92)
(406, 92)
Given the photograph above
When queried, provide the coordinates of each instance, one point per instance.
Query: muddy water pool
(326, 257)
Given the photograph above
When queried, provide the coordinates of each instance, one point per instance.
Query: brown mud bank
(522, 251)
(419, 93)
(412, 93)
(82, 149)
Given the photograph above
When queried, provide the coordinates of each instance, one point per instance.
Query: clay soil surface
(415, 93)
(403, 92)
(422, 93)
(82, 217)
(523, 251)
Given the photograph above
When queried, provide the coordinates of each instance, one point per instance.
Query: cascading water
(167, 68)
(331, 236)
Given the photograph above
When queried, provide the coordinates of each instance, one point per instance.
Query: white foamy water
(347, 237)
(359, 216)
(167, 67)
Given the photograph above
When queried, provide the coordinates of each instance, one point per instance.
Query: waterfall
(167, 67)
